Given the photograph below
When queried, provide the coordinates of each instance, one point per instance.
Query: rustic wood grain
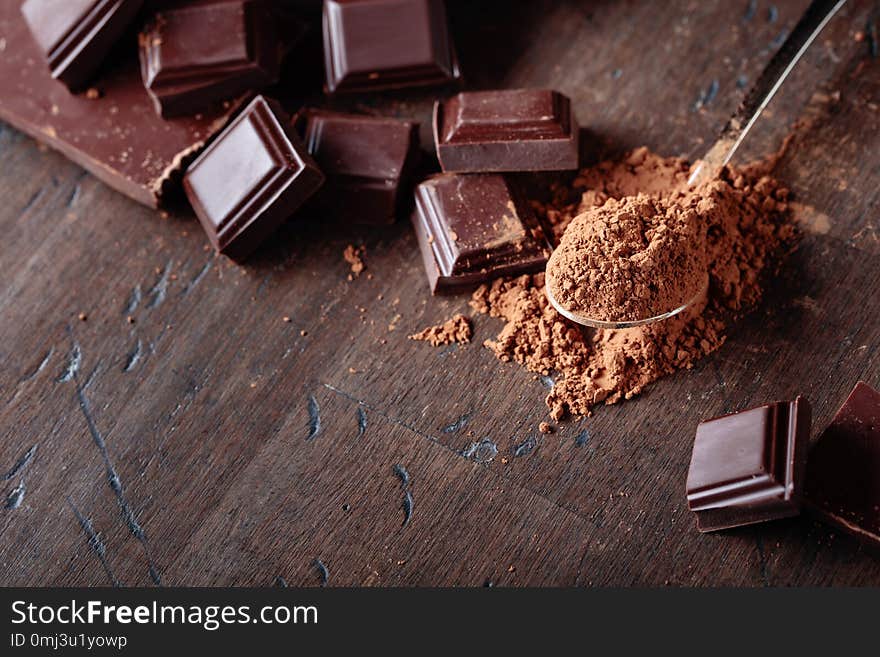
(186, 434)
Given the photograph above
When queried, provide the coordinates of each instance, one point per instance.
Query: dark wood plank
(182, 439)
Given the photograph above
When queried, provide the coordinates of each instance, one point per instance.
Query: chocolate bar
(474, 228)
(196, 55)
(748, 467)
(76, 35)
(367, 161)
(843, 475)
(253, 176)
(112, 132)
(506, 130)
(386, 44)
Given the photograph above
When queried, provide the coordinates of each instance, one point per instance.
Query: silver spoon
(813, 21)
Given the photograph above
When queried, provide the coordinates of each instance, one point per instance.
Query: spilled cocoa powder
(458, 329)
(747, 223)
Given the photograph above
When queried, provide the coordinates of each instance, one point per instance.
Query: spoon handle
(813, 21)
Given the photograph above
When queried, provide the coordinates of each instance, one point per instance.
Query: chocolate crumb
(92, 93)
(545, 427)
(354, 256)
(82, 317)
(458, 329)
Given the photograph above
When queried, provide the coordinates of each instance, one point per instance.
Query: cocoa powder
(630, 259)
(458, 329)
(747, 223)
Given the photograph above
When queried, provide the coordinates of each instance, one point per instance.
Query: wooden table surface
(211, 443)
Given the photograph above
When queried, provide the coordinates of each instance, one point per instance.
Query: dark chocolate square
(253, 176)
(194, 56)
(474, 228)
(843, 475)
(506, 130)
(747, 467)
(383, 44)
(76, 35)
(367, 160)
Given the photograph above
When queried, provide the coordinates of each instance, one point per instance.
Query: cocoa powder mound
(747, 224)
(630, 259)
(458, 329)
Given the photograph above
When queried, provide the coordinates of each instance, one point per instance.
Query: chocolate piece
(384, 44)
(76, 35)
(508, 130)
(474, 228)
(843, 475)
(196, 55)
(116, 136)
(748, 467)
(367, 161)
(253, 176)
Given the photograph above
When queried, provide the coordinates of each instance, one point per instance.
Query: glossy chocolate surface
(254, 175)
(382, 44)
(474, 228)
(843, 475)
(747, 467)
(506, 130)
(194, 56)
(368, 162)
(116, 136)
(76, 35)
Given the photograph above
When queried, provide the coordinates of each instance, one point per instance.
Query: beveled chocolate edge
(562, 117)
(439, 281)
(787, 463)
(266, 126)
(822, 511)
(414, 75)
(85, 36)
(256, 18)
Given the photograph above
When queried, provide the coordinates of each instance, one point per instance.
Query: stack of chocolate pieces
(471, 222)
(753, 466)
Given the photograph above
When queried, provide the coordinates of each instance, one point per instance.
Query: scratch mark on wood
(548, 381)
(323, 572)
(74, 361)
(362, 421)
(762, 560)
(198, 277)
(115, 483)
(95, 543)
(751, 10)
(707, 95)
(159, 291)
(407, 508)
(134, 300)
(772, 14)
(481, 452)
(402, 474)
(40, 366)
(459, 424)
(280, 582)
(32, 200)
(133, 356)
(526, 447)
(779, 39)
(21, 463)
(74, 196)
(15, 497)
(314, 418)
(873, 41)
(582, 438)
(90, 379)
